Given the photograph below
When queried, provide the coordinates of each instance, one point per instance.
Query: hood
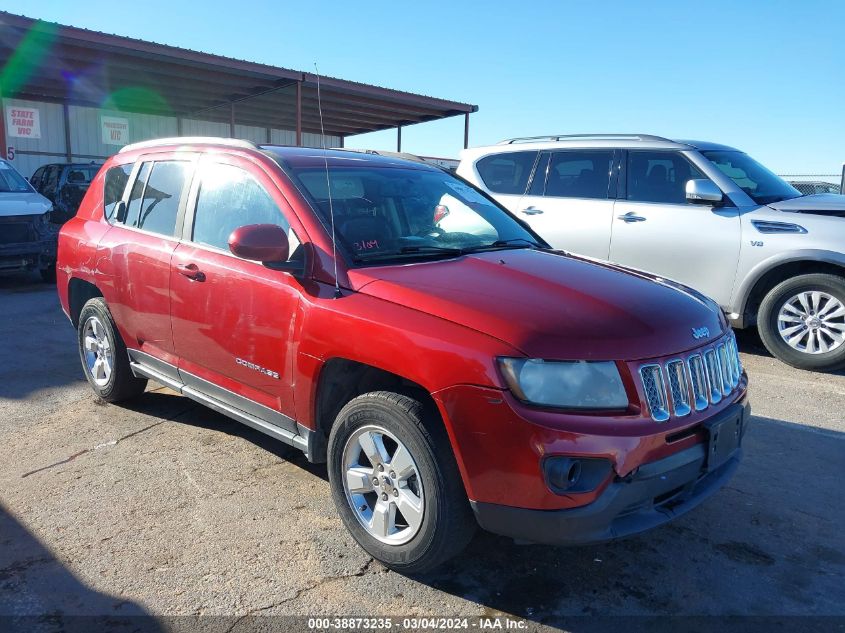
(816, 204)
(26, 203)
(550, 305)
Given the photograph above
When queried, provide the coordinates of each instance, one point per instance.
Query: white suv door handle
(631, 217)
(532, 211)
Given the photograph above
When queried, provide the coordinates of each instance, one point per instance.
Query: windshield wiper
(515, 242)
(413, 250)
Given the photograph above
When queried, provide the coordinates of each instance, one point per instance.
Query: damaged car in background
(27, 236)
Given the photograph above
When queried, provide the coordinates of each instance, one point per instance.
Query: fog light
(575, 474)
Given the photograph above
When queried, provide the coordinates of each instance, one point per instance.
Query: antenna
(328, 183)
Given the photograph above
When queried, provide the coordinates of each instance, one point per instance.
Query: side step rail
(243, 417)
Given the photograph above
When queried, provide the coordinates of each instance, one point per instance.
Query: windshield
(11, 181)
(763, 186)
(384, 212)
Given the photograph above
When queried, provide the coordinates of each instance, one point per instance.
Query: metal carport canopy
(53, 62)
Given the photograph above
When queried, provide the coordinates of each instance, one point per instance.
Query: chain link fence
(809, 184)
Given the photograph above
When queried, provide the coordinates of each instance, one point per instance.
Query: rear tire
(802, 322)
(105, 360)
(419, 477)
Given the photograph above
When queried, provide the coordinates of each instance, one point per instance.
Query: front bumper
(657, 492)
(27, 255)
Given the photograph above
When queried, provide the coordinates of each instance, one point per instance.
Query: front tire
(395, 482)
(802, 322)
(105, 360)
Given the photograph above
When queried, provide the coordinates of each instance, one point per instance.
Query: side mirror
(265, 243)
(703, 191)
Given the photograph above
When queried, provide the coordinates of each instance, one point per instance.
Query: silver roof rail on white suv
(584, 137)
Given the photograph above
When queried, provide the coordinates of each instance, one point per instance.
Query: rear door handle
(191, 271)
(532, 211)
(631, 217)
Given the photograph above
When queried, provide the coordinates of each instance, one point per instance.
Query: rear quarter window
(113, 188)
(506, 173)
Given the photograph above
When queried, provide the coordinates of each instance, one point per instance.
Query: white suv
(706, 215)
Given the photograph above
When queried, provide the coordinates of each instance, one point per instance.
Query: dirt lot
(166, 508)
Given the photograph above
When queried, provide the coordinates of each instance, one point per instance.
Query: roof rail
(584, 137)
(190, 140)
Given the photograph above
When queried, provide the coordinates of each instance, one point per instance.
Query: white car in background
(706, 215)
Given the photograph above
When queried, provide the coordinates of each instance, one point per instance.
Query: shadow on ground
(749, 342)
(38, 593)
(769, 544)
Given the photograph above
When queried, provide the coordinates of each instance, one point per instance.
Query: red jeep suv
(390, 319)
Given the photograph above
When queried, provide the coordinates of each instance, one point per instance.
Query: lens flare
(136, 99)
(27, 57)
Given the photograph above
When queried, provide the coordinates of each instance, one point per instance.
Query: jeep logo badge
(700, 332)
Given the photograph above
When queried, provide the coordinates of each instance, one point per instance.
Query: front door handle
(532, 211)
(631, 217)
(191, 271)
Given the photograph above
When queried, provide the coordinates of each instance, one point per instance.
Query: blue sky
(768, 77)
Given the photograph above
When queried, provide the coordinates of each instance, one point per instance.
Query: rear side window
(506, 173)
(579, 174)
(50, 181)
(114, 187)
(35, 181)
(154, 203)
(80, 176)
(228, 199)
(659, 177)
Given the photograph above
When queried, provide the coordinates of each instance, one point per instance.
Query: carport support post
(466, 130)
(232, 119)
(398, 138)
(3, 146)
(299, 114)
(66, 117)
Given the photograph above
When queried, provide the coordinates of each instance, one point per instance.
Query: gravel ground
(166, 508)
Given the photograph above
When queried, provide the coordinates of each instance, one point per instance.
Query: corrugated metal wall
(86, 136)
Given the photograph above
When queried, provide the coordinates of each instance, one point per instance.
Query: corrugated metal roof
(49, 61)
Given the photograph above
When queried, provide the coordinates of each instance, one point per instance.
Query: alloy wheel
(383, 485)
(99, 352)
(812, 322)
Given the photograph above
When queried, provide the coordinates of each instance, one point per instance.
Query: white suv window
(506, 173)
(579, 174)
(659, 177)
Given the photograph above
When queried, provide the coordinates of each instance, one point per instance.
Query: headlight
(575, 384)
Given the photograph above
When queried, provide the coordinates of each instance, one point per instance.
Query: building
(74, 95)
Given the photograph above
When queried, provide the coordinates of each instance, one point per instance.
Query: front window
(659, 177)
(229, 198)
(763, 186)
(11, 181)
(383, 212)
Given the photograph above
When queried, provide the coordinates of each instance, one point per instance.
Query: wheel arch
(342, 379)
(79, 293)
(770, 273)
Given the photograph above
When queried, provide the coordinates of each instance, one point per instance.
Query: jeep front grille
(681, 385)
(655, 392)
(678, 387)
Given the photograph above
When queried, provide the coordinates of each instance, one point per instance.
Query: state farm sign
(23, 122)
